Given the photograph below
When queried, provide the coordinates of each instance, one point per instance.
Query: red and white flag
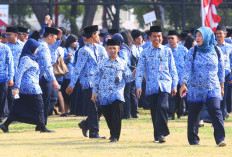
(209, 13)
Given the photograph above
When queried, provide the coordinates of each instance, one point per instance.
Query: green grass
(136, 140)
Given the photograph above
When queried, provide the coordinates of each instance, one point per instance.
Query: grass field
(136, 140)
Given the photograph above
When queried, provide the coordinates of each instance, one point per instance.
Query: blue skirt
(28, 109)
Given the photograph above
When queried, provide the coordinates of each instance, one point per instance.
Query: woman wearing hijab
(105, 38)
(204, 76)
(28, 108)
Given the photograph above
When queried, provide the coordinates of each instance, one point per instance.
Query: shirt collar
(224, 43)
(117, 59)
(160, 47)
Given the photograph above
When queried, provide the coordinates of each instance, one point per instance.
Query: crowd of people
(112, 73)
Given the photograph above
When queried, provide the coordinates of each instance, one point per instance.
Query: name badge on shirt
(161, 68)
(225, 58)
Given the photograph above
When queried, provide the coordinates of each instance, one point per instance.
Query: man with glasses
(16, 47)
(176, 103)
(23, 34)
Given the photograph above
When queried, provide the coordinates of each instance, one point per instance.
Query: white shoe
(222, 144)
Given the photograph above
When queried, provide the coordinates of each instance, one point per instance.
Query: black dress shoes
(160, 140)
(47, 131)
(4, 128)
(83, 128)
(96, 136)
(114, 140)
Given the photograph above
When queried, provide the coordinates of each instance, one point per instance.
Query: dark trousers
(223, 102)
(113, 116)
(46, 87)
(127, 104)
(143, 102)
(213, 106)
(176, 104)
(3, 100)
(159, 106)
(133, 100)
(92, 111)
(229, 98)
(10, 98)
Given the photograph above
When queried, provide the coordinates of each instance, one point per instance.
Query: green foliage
(19, 12)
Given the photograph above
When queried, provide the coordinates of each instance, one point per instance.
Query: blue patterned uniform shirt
(136, 50)
(179, 54)
(54, 52)
(203, 75)
(16, 50)
(70, 62)
(44, 60)
(110, 80)
(227, 56)
(87, 64)
(6, 63)
(147, 44)
(159, 67)
(27, 77)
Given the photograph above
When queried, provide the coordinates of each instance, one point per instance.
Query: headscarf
(29, 48)
(104, 38)
(208, 39)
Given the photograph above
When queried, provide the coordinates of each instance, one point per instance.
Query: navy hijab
(29, 48)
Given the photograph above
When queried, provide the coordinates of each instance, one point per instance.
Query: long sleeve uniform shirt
(87, 64)
(16, 50)
(159, 67)
(110, 80)
(27, 77)
(227, 56)
(44, 60)
(70, 62)
(179, 54)
(6, 63)
(203, 75)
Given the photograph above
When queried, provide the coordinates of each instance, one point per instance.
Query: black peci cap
(91, 29)
(155, 29)
(173, 32)
(51, 30)
(12, 29)
(112, 42)
(22, 29)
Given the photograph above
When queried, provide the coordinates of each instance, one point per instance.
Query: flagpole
(202, 16)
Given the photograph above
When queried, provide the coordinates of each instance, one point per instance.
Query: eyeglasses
(8, 34)
(21, 34)
(169, 38)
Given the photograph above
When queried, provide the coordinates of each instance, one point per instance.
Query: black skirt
(28, 109)
(3, 100)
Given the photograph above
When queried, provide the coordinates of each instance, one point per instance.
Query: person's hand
(183, 90)
(10, 83)
(133, 73)
(59, 34)
(174, 92)
(69, 90)
(138, 92)
(222, 91)
(230, 82)
(47, 18)
(94, 97)
(55, 84)
(15, 91)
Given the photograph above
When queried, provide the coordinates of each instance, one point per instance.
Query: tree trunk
(73, 18)
(90, 11)
(40, 12)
